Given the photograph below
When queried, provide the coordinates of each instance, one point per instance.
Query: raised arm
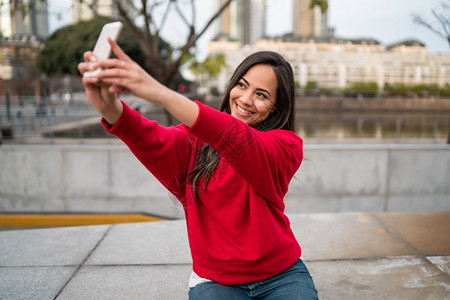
(266, 160)
(122, 74)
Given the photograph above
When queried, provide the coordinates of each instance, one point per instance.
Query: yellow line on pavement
(57, 220)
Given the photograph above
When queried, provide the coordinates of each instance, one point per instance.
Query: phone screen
(102, 48)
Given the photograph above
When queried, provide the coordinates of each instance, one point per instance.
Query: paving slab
(425, 231)
(49, 247)
(441, 262)
(346, 236)
(386, 278)
(350, 256)
(144, 243)
(33, 282)
(164, 282)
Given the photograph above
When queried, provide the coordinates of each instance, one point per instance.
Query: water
(373, 128)
(313, 125)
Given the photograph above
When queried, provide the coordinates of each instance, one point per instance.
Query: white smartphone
(102, 49)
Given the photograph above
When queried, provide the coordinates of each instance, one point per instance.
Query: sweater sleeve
(164, 151)
(266, 160)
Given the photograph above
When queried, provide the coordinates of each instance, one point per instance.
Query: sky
(388, 21)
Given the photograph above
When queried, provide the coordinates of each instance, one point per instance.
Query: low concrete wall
(333, 178)
(372, 178)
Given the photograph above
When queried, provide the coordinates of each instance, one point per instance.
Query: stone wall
(333, 178)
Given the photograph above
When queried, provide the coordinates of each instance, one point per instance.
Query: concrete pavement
(350, 256)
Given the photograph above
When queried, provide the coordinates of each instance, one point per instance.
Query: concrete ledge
(350, 255)
(334, 178)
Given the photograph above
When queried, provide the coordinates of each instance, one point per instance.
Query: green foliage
(420, 90)
(210, 66)
(399, 89)
(214, 90)
(445, 91)
(64, 48)
(425, 90)
(434, 89)
(311, 86)
(323, 4)
(369, 89)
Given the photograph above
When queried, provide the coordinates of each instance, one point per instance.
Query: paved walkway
(350, 255)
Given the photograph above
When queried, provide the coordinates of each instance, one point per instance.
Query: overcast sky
(388, 21)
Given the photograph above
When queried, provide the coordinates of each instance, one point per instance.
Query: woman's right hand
(98, 94)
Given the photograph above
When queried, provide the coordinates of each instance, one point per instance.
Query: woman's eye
(241, 84)
(261, 95)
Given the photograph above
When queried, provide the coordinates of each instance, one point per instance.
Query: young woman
(229, 169)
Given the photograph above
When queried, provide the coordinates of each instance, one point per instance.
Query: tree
(65, 47)
(142, 20)
(210, 66)
(442, 16)
(142, 17)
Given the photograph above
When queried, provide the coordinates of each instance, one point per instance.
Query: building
(309, 22)
(318, 57)
(28, 17)
(245, 20)
(337, 63)
(23, 32)
(90, 8)
(242, 20)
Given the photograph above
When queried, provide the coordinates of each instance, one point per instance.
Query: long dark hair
(282, 117)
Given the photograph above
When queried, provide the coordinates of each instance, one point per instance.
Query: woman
(229, 169)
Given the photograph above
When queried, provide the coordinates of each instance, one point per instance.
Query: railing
(79, 123)
(24, 124)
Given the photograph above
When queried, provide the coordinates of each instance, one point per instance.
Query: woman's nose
(247, 98)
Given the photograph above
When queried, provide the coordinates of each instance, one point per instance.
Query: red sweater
(238, 232)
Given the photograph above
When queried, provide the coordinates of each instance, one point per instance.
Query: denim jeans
(294, 283)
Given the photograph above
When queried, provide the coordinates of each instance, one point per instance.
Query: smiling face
(255, 95)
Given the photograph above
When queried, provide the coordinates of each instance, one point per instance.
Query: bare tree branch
(444, 22)
(442, 17)
(194, 11)
(156, 4)
(424, 23)
(148, 20)
(163, 21)
(183, 18)
(162, 65)
(148, 34)
(129, 20)
(211, 20)
(92, 6)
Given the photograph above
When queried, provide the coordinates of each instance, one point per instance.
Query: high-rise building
(85, 11)
(243, 20)
(309, 21)
(26, 17)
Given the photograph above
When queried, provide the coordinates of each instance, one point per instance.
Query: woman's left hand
(125, 75)
(122, 74)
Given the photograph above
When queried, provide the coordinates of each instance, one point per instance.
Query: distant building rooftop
(332, 40)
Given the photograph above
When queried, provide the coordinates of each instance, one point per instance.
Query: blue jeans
(294, 283)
